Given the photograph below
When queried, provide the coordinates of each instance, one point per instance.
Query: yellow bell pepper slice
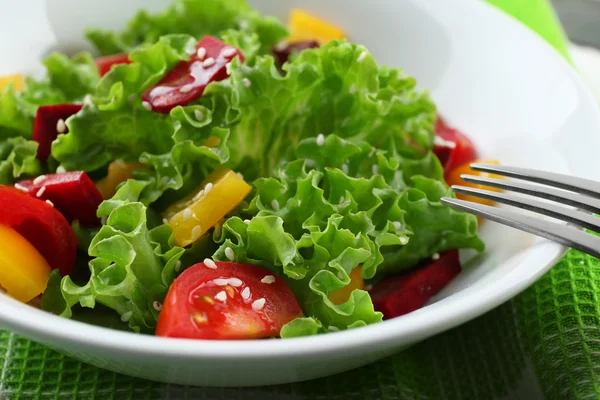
(219, 194)
(118, 171)
(465, 169)
(304, 26)
(17, 80)
(24, 272)
(342, 295)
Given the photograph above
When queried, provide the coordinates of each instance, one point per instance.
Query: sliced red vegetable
(46, 126)
(283, 51)
(225, 300)
(105, 63)
(187, 81)
(72, 193)
(42, 225)
(452, 147)
(406, 293)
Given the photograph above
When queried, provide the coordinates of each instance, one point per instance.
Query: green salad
(212, 174)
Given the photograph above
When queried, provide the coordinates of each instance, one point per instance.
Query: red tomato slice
(105, 63)
(452, 147)
(187, 81)
(406, 293)
(283, 51)
(72, 193)
(42, 225)
(233, 301)
(46, 126)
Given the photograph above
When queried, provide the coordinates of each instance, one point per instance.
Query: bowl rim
(39, 325)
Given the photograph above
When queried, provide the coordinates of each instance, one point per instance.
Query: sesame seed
(196, 231)
(60, 126)
(39, 179)
(345, 168)
(87, 100)
(201, 53)
(368, 287)
(125, 317)
(581, 262)
(165, 221)
(259, 304)
(228, 52)
(209, 263)
(186, 88)
(246, 221)
(60, 170)
(436, 256)
(229, 253)
(103, 220)
(281, 46)
(441, 142)
(246, 82)
(199, 115)
(403, 240)
(235, 282)
(157, 305)
(50, 203)
(244, 25)
(21, 187)
(375, 169)
(352, 89)
(147, 105)
(228, 68)
(240, 175)
(187, 214)
(320, 139)
(361, 57)
(40, 192)
(221, 296)
(246, 293)
(221, 282)
(208, 187)
(218, 230)
(397, 225)
(209, 62)
(275, 205)
(268, 279)
(333, 328)
(178, 266)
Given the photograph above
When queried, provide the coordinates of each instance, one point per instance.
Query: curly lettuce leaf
(193, 17)
(16, 115)
(133, 266)
(337, 88)
(18, 160)
(115, 125)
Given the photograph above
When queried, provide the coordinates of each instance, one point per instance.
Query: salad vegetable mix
(214, 175)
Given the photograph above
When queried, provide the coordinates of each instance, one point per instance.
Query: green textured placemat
(544, 343)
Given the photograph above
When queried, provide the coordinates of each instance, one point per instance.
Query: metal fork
(583, 194)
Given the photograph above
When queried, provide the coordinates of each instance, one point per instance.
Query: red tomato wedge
(187, 81)
(452, 147)
(42, 225)
(46, 126)
(283, 51)
(72, 193)
(105, 63)
(406, 293)
(231, 301)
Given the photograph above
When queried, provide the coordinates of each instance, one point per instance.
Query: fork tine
(552, 210)
(578, 185)
(547, 192)
(550, 230)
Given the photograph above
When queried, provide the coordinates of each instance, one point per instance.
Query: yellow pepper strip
(192, 217)
(17, 80)
(118, 171)
(342, 295)
(24, 272)
(304, 26)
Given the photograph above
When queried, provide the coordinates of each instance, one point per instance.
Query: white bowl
(492, 77)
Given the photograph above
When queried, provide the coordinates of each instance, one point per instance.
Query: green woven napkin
(544, 343)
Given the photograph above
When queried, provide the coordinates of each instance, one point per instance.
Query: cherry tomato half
(452, 147)
(231, 301)
(454, 178)
(105, 63)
